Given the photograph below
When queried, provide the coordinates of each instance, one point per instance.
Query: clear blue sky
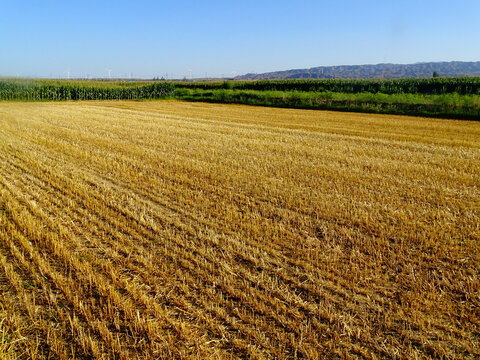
(153, 38)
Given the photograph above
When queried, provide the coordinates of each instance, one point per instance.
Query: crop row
(70, 91)
(460, 85)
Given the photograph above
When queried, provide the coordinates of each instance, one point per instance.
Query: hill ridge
(372, 71)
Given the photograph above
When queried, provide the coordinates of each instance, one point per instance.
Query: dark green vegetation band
(82, 90)
(431, 86)
(443, 106)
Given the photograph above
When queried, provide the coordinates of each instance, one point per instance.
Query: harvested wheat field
(165, 229)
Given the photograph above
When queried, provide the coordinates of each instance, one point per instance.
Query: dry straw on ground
(178, 230)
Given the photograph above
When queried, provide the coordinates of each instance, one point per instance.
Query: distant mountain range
(387, 71)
